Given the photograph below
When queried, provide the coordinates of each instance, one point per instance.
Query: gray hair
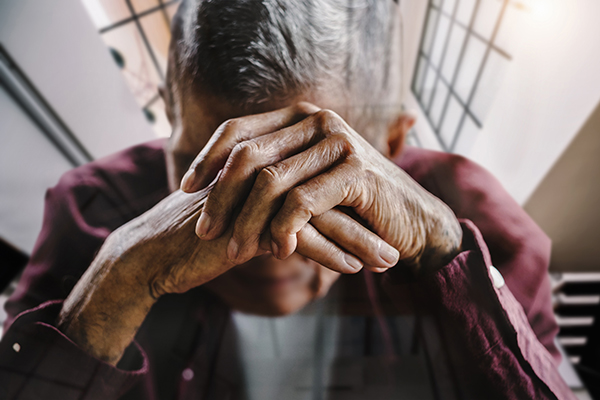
(253, 51)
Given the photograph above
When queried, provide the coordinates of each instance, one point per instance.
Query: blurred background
(511, 84)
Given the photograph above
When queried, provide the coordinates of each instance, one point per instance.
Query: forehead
(200, 114)
(200, 107)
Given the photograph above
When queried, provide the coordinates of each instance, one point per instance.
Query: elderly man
(288, 139)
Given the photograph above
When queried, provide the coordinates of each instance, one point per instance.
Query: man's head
(230, 58)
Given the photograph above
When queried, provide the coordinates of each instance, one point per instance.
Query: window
(459, 66)
(137, 33)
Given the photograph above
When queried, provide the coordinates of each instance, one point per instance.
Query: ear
(397, 132)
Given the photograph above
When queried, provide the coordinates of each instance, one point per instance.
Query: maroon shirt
(498, 342)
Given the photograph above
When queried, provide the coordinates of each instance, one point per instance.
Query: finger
(237, 177)
(338, 186)
(315, 246)
(213, 156)
(271, 185)
(265, 241)
(354, 238)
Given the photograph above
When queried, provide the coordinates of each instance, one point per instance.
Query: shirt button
(17, 347)
(497, 278)
(187, 374)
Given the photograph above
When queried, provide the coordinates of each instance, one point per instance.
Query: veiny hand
(162, 242)
(154, 254)
(294, 167)
(159, 253)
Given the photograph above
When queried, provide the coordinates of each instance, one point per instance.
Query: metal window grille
(458, 58)
(412, 139)
(132, 31)
(134, 18)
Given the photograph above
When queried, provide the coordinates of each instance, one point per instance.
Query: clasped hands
(285, 181)
(298, 179)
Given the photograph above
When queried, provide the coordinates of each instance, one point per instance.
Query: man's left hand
(296, 174)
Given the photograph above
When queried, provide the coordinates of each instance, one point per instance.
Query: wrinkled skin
(291, 175)
(295, 182)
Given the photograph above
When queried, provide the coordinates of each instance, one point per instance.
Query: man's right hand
(162, 245)
(159, 253)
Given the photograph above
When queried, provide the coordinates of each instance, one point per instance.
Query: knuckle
(330, 120)
(270, 178)
(342, 143)
(231, 126)
(297, 207)
(354, 160)
(299, 200)
(245, 153)
(324, 115)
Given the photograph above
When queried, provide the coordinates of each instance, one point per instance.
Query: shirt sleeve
(518, 248)
(39, 361)
(87, 204)
(65, 247)
(485, 336)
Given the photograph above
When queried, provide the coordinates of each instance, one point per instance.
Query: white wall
(549, 90)
(62, 54)
(29, 164)
(60, 51)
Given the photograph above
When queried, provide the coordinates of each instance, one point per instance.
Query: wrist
(444, 239)
(107, 306)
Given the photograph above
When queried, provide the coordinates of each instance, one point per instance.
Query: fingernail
(353, 262)
(274, 249)
(232, 250)
(203, 224)
(188, 180)
(389, 254)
